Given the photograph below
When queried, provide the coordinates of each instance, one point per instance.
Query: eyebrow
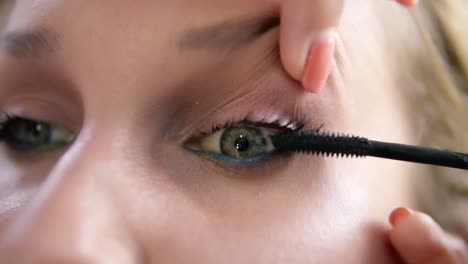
(28, 44)
(228, 35)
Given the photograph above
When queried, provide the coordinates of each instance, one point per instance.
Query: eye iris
(25, 133)
(243, 143)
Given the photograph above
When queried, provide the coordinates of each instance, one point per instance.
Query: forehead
(131, 42)
(134, 22)
(174, 12)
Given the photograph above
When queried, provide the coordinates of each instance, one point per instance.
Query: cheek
(291, 217)
(21, 177)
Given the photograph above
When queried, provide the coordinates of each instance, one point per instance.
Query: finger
(307, 39)
(408, 2)
(419, 240)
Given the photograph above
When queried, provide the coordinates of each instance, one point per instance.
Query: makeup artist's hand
(420, 240)
(306, 38)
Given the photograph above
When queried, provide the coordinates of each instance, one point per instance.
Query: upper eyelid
(48, 106)
(8, 117)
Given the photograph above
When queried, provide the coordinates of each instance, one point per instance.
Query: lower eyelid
(240, 161)
(227, 160)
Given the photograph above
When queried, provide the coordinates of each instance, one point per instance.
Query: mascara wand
(329, 144)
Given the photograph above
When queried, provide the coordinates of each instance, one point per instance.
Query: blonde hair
(443, 110)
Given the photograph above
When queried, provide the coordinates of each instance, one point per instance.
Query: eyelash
(5, 118)
(290, 126)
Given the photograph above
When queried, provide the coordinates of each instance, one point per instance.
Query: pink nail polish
(399, 214)
(407, 2)
(318, 63)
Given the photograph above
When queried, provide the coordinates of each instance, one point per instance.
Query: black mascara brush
(329, 144)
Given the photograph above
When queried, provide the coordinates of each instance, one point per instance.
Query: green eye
(25, 134)
(243, 143)
(236, 144)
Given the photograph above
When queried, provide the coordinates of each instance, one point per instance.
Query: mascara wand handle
(418, 154)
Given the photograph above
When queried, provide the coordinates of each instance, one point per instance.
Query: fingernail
(399, 214)
(319, 61)
(408, 2)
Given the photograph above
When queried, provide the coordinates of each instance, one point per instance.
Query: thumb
(408, 2)
(307, 39)
(420, 240)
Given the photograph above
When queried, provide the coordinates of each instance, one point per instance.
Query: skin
(126, 191)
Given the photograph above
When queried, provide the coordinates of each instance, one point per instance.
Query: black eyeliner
(330, 144)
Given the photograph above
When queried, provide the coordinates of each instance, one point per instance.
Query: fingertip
(305, 32)
(295, 38)
(399, 214)
(408, 2)
(318, 62)
(309, 59)
(417, 238)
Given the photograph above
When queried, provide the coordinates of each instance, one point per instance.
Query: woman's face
(144, 85)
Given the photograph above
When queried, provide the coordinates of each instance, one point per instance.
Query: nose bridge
(72, 219)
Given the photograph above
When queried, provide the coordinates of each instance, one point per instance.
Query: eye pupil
(242, 143)
(37, 129)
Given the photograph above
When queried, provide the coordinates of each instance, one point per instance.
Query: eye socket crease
(228, 35)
